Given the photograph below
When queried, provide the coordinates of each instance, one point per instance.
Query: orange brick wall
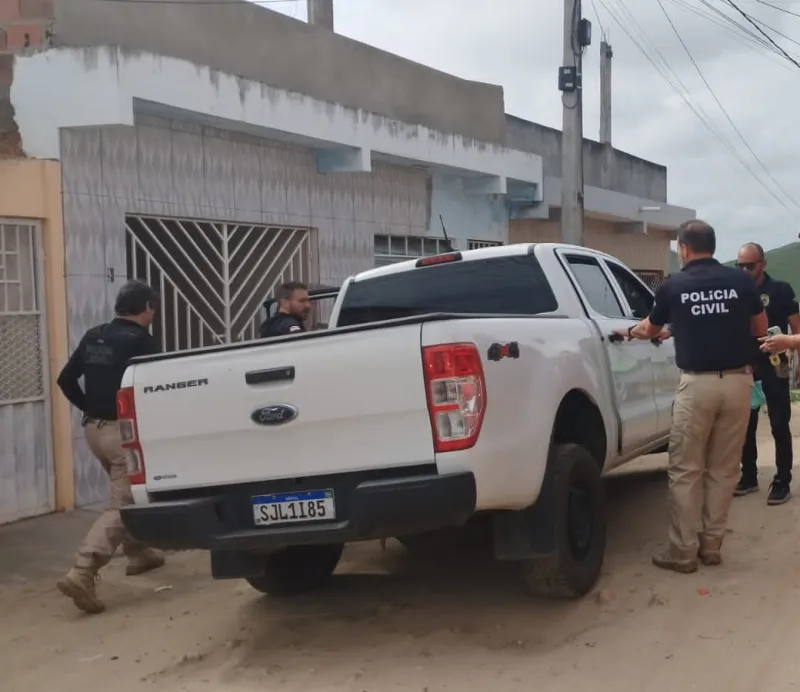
(24, 23)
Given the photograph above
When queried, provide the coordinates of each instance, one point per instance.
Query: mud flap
(530, 532)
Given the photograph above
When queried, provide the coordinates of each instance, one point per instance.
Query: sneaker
(745, 487)
(144, 562)
(80, 587)
(779, 492)
(665, 560)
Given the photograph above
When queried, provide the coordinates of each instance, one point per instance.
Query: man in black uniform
(782, 311)
(715, 311)
(101, 359)
(294, 306)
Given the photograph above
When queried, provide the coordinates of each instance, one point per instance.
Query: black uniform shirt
(710, 307)
(101, 358)
(780, 303)
(280, 324)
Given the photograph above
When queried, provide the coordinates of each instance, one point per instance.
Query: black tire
(579, 523)
(297, 569)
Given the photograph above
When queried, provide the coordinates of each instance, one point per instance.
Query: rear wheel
(579, 523)
(297, 569)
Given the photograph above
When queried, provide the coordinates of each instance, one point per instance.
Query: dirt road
(390, 623)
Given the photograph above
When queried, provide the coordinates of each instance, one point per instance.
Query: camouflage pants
(108, 532)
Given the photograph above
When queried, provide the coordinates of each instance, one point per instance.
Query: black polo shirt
(280, 324)
(780, 302)
(709, 307)
(101, 358)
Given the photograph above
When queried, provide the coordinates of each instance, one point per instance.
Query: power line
(697, 110)
(760, 30)
(776, 7)
(724, 110)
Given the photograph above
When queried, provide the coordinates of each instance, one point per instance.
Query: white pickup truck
(479, 382)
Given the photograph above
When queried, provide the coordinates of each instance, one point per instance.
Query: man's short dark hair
(286, 291)
(698, 236)
(134, 298)
(759, 250)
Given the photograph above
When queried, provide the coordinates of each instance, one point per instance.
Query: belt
(744, 370)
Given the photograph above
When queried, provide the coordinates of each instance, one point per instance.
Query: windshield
(512, 285)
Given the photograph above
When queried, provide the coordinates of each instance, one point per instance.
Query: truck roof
(480, 254)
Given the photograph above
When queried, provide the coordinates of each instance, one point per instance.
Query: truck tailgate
(359, 399)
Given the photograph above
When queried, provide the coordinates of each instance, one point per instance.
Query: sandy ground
(392, 623)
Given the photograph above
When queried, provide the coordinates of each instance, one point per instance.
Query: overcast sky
(518, 44)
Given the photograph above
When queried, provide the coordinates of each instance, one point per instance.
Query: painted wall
(466, 216)
(638, 250)
(179, 169)
(32, 190)
(604, 166)
(244, 39)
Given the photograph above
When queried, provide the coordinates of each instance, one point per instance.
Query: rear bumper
(370, 509)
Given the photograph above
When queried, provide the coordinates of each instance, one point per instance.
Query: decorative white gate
(212, 277)
(26, 472)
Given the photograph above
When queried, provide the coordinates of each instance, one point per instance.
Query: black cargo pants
(779, 407)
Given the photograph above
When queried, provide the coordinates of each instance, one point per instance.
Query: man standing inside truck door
(101, 358)
(715, 311)
(294, 306)
(782, 311)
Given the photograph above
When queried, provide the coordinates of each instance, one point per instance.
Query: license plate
(287, 508)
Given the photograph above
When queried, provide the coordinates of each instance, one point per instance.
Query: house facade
(217, 172)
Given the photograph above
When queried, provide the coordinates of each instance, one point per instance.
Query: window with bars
(651, 277)
(480, 244)
(389, 249)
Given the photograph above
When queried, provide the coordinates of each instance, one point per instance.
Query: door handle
(615, 338)
(655, 341)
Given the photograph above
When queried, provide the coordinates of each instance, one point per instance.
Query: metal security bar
(480, 244)
(652, 278)
(212, 277)
(21, 338)
(390, 249)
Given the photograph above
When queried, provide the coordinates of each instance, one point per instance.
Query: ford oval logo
(276, 414)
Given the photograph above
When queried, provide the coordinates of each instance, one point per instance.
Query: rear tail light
(456, 392)
(129, 432)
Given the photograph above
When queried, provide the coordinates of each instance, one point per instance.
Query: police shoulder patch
(764, 299)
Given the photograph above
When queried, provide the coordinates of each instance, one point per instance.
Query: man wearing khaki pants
(715, 312)
(101, 358)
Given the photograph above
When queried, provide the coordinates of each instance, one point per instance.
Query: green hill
(784, 263)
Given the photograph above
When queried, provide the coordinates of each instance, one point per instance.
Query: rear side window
(513, 285)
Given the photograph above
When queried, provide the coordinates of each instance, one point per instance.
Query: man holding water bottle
(774, 371)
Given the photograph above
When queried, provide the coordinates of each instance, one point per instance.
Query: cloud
(518, 44)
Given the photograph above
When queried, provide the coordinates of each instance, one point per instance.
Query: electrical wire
(760, 30)
(723, 109)
(675, 82)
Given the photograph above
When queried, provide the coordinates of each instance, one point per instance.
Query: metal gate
(27, 485)
(212, 277)
(652, 277)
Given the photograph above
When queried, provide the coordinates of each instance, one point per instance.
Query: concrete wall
(639, 251)
(604, 166)
(173, 168)
(256, 43)
(466, 216)
(31, 190)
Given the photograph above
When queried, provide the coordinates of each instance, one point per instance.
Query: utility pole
(320, 12)
(605, 92)
(577, 35)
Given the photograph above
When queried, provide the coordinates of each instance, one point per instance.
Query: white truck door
(630, 361)
(665, 371)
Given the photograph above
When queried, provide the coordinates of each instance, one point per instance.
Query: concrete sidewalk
(43, 547)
